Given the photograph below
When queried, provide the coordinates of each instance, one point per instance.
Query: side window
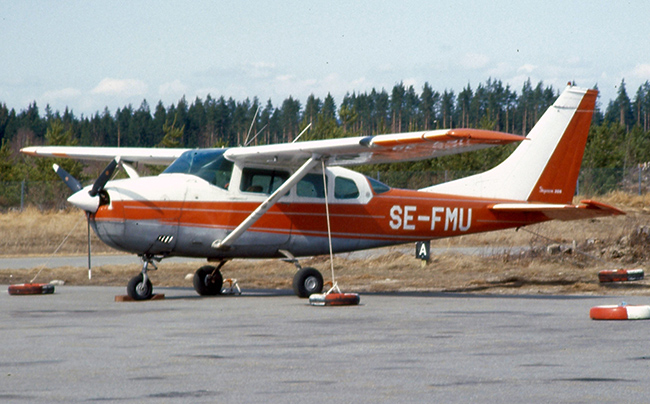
(217, 173)
(345, 188)
(311, 186)
(262, 181)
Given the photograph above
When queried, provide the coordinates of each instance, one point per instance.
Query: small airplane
(297, 199)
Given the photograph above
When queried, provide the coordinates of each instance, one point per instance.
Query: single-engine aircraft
(296, 199)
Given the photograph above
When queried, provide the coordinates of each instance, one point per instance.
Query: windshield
(208, 164)
(378, 187)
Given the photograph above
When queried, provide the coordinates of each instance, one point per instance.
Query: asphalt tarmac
(79, 345)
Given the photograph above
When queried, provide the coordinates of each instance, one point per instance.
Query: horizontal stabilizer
(585, 210)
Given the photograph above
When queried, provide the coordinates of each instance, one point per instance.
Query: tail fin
(545, 167)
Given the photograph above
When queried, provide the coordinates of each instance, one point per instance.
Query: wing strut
(267, 204)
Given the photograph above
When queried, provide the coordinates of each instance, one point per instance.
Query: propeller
(103, 178)
(69, 180)
(87, 201)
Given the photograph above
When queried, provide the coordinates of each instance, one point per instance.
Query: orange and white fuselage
(267, 201)
(189, 216)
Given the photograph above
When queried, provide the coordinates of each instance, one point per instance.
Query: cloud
(240, 71)
(527, 68)
(62, 94)
(259, 70)
(120, 87)
(290, 84)
(173, 88)
(474, 61)
(641, 71)
(410, 82)
(501, 69)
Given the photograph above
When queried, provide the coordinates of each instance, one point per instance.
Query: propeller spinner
(87, 201)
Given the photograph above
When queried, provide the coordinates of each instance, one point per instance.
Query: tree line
(620, 134)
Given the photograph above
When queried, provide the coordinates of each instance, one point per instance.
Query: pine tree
(172, 135)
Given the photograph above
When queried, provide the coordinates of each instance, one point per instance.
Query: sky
(90, 55)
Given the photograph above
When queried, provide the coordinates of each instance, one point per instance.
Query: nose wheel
(140, 287)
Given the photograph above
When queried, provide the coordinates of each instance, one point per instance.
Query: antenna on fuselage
(301, 133)
(251, 128)
(256, 135)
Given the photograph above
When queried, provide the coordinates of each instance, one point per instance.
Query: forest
(619, 138)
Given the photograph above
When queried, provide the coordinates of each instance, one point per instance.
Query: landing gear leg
(306, 281)
(140, 287)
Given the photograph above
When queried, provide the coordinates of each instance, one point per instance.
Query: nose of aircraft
(84, 201)
(87, 198)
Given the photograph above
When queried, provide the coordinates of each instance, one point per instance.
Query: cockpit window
(378, 187)
(208, 164)
(262, 181)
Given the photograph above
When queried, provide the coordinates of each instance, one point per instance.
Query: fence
(591, 182)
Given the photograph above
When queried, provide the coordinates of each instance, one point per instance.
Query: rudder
(557, 183)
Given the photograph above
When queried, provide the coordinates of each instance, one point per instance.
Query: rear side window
(345, 188)
(311, 186)
(262, 181)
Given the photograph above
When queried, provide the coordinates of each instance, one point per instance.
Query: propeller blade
(69, 180)
(103, 178)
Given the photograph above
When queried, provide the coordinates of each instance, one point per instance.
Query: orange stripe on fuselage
(397, 215)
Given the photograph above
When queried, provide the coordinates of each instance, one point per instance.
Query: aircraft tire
(621, 312)
(620, 275)
(139, 290)
(307, 281)
(31, 289)
(334, 299)
(205, 286)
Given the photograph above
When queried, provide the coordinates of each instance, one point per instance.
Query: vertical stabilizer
(545, 167)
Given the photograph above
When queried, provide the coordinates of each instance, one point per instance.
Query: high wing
(587, 209)
(127, 154)
(344, 151)
(389, 148)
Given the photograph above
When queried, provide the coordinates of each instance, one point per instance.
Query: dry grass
(35, 232)
(605, 243)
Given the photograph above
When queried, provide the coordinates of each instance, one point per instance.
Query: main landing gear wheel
(139, 289)
(208, 281)
(307, 281)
